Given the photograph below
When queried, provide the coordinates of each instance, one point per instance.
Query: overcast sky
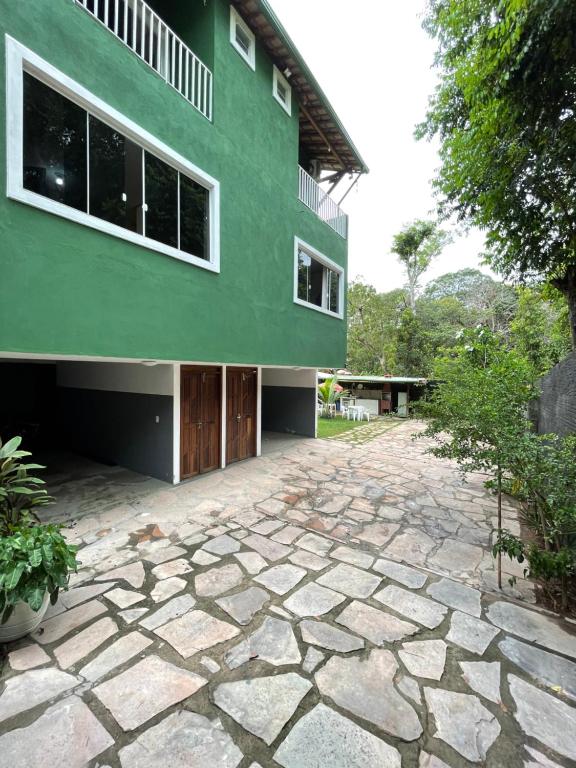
(373, 61)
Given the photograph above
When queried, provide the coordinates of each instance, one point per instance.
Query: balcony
(143, 31)
(318, 200)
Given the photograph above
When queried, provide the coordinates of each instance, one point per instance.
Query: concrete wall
(67, 289)
(119, 413)
(289, 401)
(555, 410)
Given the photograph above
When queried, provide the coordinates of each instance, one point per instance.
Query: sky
(373, 61)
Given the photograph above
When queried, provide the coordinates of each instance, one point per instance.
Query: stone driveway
(263, 617)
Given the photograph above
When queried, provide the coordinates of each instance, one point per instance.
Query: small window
(242, 38)
(318, 281)
(282, 91)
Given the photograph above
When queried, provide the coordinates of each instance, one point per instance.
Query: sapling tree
(477, 414)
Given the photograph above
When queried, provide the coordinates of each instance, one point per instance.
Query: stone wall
(555, 410)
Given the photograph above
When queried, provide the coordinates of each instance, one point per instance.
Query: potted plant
(35, 559)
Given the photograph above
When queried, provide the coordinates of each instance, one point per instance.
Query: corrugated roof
(321, 131)
(351, 378)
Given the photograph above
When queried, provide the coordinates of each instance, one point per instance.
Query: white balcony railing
(143, 31)
(312, 195)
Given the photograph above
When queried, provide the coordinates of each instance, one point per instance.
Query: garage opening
(288, 403)
(114, 414)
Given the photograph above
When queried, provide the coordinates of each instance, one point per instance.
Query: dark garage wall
(290, 410)
(555, 410)
(120, 428)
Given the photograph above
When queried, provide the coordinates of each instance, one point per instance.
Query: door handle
(238, 417)
(199, 424)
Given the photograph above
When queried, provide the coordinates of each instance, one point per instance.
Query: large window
(80, 159)
(318, 281)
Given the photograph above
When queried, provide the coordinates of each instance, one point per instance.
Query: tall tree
(373, 320)
(504, 112)
(413, 353)
(416, 245)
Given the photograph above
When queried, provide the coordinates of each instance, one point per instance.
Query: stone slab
(312, 659)
(27, 658)
(124, 598)
(263, 705)
(420, 609)
(32, 688)
(424, 658)
(329, 637)
(281, 578)
(313, 600)
(462, 722)
(352, 557)
(121, 651)
(470, 633)
(376, 626)
(456, 556)
(133, 574)
(162, 555)
(318, 545)
(251, 562)
(132, 614)
(196, 631)
(85, 642)
(173, 568)
(365, 688)
(456, 595)
(273, 642)
(350, 581)
(78, 595)
(533, 626)
(56, 628)
(405, 575)
(67, 728)
(216, 581)
(309, 560)
(221, 545)
(545, 667)
(544, 717)
(269, 549)
(167, 588)
(176, 607)
(483, 677)
(182, 740)
(204, 558)
(325, 738)
(146, 689)
(244, 605)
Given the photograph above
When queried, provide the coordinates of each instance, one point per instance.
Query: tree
(489, 302)
(412, 354)
(329, 392)
(416, 245)
(504, 113)
(373, 320)
(534, 331)
(477, 413)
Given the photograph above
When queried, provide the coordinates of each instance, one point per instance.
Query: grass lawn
(331, 427)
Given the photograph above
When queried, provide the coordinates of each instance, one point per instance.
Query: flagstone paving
(292, 640)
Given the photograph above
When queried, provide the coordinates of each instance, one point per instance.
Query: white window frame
(278, 77)
(20, 59)
(301, 245)
(237, 20)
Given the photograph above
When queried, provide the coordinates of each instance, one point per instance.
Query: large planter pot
(23, 621)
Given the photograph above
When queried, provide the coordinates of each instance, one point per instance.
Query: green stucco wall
(67, 289)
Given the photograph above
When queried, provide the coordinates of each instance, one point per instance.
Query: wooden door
(199, 421)
(241, 399)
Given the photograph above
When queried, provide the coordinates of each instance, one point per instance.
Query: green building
(172, 273)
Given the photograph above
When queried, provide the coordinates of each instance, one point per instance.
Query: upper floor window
(319, 282)
(242, 38)
(282, 90)
(71, 155)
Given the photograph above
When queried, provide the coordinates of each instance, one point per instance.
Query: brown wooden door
(241, 393)
(199, 421)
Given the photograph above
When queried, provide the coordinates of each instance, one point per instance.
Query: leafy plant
(329, 392)
(20, 492)
(33, 561)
